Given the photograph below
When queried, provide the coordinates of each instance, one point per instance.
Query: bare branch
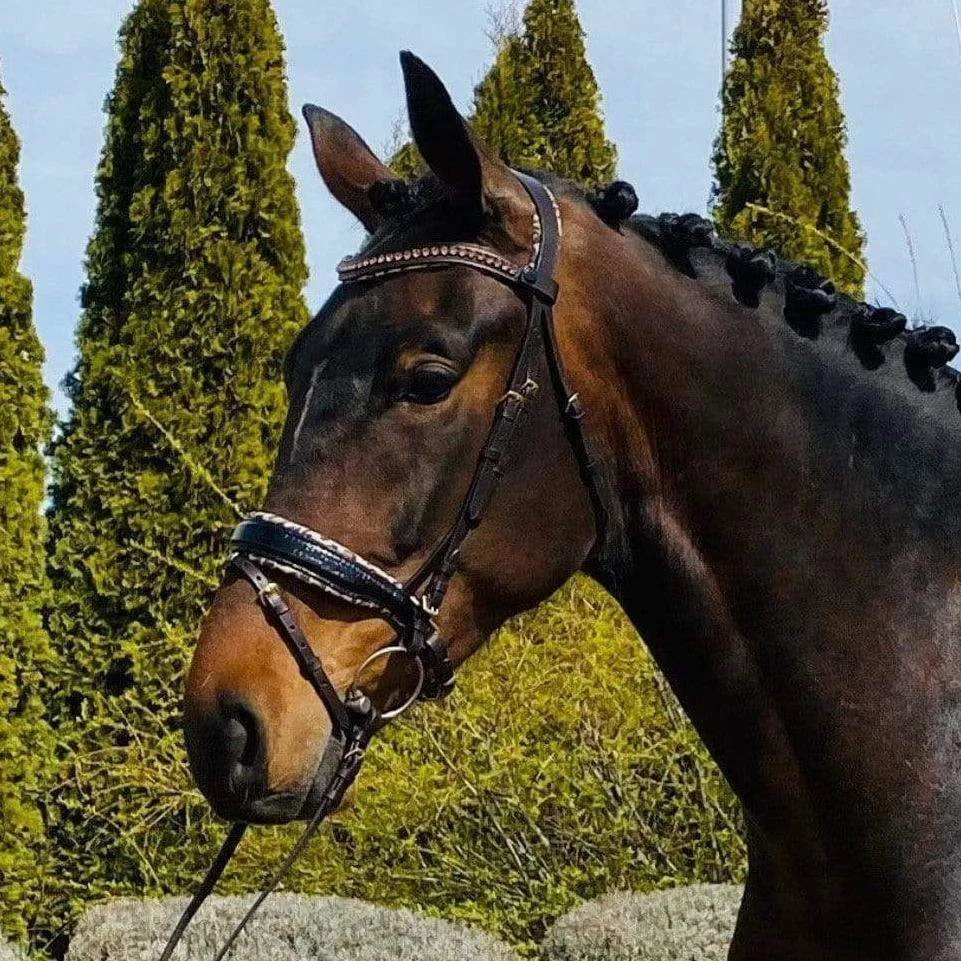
(503, 21)
(954, 259)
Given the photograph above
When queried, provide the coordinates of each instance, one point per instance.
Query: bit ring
(386, 652)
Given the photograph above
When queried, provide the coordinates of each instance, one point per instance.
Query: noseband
(265, 542)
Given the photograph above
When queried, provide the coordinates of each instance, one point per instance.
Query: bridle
(265, 542)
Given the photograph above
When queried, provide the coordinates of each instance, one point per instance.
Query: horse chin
(315, 796)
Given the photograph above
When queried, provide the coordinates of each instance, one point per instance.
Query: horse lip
(281, 808)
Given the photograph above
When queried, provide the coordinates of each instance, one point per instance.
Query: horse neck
(806, 616)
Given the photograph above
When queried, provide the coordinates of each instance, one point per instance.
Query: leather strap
(213, 875)
(353, 730)
(350, 766)
(537, 285)
(274, 604)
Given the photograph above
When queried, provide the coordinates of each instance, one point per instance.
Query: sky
(658, 66)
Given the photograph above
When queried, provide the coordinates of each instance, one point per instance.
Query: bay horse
(778, 469)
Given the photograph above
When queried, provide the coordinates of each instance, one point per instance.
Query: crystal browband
(365, 266)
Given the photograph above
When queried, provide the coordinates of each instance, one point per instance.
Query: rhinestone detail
(359, 267)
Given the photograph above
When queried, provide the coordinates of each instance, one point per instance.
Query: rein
(266, 542)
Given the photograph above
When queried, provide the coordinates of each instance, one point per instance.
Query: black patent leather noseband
(265, 542)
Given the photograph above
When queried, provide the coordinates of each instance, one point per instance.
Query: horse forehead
(423, 296)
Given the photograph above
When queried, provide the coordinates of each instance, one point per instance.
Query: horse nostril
(242, 738)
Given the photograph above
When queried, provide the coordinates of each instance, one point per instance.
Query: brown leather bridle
(266, 542)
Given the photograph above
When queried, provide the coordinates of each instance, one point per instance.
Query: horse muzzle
(227, 748)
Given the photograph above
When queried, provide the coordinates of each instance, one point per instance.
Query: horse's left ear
(446, 142)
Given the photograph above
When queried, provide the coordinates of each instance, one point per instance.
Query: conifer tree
(26, 743)
(539, 104)
(546, 85)
(782, 142)
(194, 279)
(504, 114)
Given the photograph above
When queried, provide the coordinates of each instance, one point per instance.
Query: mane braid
(810, 304)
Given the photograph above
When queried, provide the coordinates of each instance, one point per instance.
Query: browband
(370, 266)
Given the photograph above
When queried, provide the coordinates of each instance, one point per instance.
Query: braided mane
(810, 304)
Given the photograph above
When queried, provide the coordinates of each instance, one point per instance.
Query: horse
(766, 481)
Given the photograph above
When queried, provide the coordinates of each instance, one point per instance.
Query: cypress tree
(193, 291)
(539, 104)
(504, 107)
(26, 743)
(781, 146)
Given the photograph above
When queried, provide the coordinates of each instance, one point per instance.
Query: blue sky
(657, 62)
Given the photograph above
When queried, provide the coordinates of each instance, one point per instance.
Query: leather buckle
(526, 391)
(270, 591)
(574, 409)
(429, 610)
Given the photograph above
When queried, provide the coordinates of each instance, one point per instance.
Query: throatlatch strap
(572, 415)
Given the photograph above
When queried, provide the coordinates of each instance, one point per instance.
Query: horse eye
(429, 384)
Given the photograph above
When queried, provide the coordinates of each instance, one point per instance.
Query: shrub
(289, 928)
(194, 277)
(781, 145)
(26, 743)
(684, 924)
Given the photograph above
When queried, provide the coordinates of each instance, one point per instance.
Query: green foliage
(407, 162)
(539, 105)
(194, 278)
(781, 146)
(26, 743)
(505, 106)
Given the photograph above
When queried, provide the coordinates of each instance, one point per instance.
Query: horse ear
(444, 139)
(348, 166)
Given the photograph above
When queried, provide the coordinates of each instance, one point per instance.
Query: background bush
(782, 140)
(194, 280)
(683, 924)
(560, 769)
(288, 927)
(26, 743)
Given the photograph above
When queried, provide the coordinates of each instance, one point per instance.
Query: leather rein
(265, 542)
